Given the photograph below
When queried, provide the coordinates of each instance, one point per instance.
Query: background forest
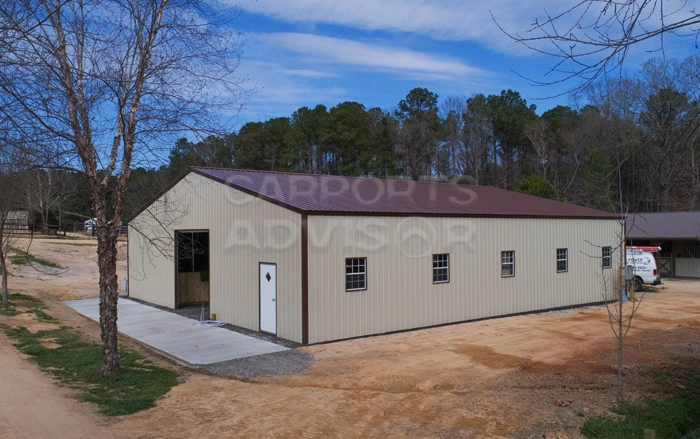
(635, 141)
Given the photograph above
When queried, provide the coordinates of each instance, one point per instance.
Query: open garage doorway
(192, 282)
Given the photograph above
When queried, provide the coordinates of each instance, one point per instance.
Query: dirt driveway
(527, 376)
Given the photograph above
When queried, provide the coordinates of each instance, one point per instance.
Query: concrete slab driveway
(178, 337)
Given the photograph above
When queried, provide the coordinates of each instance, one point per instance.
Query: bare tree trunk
(620, 337)
(109, 295)
(3, 255)
(3, 265)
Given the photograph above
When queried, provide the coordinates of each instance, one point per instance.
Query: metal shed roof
(335, 195)
(663, 225)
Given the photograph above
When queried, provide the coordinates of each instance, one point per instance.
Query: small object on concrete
(649, 434)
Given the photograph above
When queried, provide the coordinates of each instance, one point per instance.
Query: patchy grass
(76, 363)
(672, 418)
(26, 304)
(21, 257)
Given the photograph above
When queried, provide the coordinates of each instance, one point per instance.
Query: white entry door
(268, 298)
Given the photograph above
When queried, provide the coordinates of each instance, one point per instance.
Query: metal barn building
(320, 258)
(678, 235)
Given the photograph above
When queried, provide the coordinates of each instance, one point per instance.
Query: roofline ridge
(264, 171)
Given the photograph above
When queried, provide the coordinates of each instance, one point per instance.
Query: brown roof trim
(159, 194)
(247, 191)
(304, 280)
(193, 169)
(454, 215)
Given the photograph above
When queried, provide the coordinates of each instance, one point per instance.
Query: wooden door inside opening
(665, 261)
(192, 281)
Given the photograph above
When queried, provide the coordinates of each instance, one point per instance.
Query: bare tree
(592, 38)
(620, 311)
(11, 219)
(479, 137)
(536, 132)
(44, 193)
(109, 80)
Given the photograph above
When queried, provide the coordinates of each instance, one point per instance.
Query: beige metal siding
(243, 231)
(151, 275)
(687, 267)
(400, 293)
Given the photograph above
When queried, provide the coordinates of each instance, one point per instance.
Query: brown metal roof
(663, 225)
(333, 195)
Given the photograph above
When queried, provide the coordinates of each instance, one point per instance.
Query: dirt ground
(538, 375)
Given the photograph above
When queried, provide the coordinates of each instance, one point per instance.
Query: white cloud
(452, 20)
(328, 50)
(447, 20)
(280, 89)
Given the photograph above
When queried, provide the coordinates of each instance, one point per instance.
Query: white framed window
(355, 274)
(508, 263)
(562, 260)
(441, 268)
(607, 257)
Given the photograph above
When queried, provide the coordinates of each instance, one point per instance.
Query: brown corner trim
(304, 279)
(159, 194)
(128, 265)
(247, 191)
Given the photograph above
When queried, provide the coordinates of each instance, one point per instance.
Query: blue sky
(307, 52)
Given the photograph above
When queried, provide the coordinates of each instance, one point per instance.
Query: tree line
(635, 143)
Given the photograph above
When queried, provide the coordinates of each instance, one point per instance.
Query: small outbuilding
(89, 225)
(17, 220)
(678, 235)
(313, 258)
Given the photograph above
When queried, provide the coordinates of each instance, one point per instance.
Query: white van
(642, 259)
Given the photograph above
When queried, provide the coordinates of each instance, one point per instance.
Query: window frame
(609, 257)
(446, 267)
(364, 273)
(566, 260)
(195, 249)
(511, 263)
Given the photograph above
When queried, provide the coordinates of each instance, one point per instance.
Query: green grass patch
(672, 418)
(20, 257)
(8, 309)
(29, 303)
(76, 363)
(44, 317)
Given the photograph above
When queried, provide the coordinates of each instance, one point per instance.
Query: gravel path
(277, 363)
